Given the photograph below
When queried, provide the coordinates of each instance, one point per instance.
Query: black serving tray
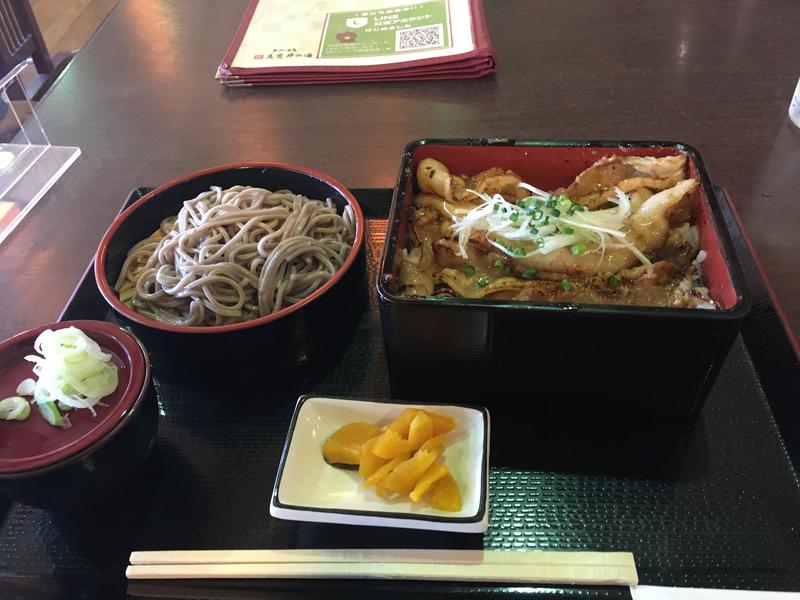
(714, 503)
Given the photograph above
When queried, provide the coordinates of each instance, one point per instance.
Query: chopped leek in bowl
(73, 372)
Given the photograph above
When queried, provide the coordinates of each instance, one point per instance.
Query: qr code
(417, 38)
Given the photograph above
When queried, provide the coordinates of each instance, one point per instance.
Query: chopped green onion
(499, 264)
(612, 282)
(14, 408)
(537, 220)
(565, 285)
(518, 251)
(578, 249)
(50, 413)
(483, 282)
(72, 371)
(469, 270)
(529, 273)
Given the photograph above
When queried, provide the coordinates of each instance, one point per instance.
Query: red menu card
(283, 42)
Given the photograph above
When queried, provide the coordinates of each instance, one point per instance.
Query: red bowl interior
(551, 166)
(34, 444)
(107, 289)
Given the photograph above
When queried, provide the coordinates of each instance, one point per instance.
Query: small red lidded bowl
(54, 467)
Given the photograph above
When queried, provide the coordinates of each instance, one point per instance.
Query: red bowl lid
(34, 444)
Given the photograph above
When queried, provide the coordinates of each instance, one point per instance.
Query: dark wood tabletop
(141, 102)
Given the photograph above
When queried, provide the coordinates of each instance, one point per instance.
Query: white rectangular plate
(309, 489)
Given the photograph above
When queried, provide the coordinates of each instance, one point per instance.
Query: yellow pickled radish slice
(383, 492)
(437, 443)
(441, 423)
(446, 495)
(402, 422)
(381, 473)
(403, 477)
(344, 445)
(370, 462)
(434, 473)
(420, 430)
(390, 445)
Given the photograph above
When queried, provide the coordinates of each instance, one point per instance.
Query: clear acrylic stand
(29, 164)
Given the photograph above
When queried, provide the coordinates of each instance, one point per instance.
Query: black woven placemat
(709, 504)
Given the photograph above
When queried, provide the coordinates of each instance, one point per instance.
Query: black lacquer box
(629, 359)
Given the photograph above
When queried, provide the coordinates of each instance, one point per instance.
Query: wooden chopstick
(588, 568)
(171, 557)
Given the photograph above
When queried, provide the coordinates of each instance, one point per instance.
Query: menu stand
(29, 163)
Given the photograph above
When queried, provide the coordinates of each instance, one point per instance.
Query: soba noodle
(234, 255)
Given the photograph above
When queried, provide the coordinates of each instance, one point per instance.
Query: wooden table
(141, 102)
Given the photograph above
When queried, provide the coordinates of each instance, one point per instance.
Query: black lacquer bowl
(304, 335)
(539, 355)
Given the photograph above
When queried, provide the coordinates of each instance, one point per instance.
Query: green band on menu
(380, 32)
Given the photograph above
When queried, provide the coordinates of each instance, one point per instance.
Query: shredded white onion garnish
(542, 223)
(72, 370)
